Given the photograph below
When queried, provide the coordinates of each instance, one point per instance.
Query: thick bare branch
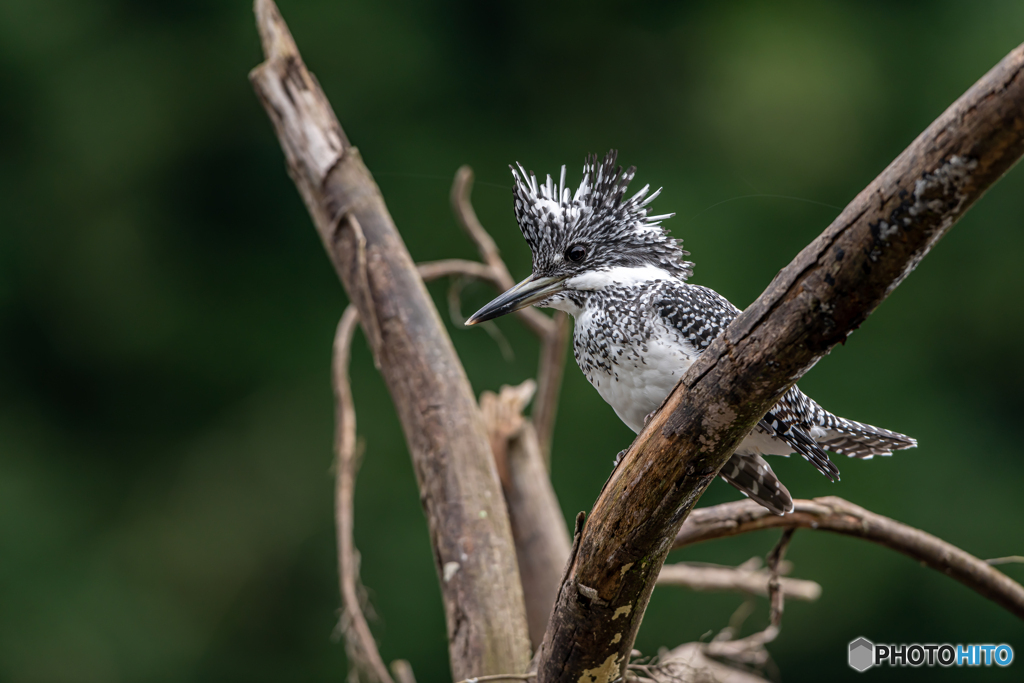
(461, 494)
(539, 530)
(542, 543)
(542, 539)
(843, 517)
(814, 303)
(703, 577)
(360, 647)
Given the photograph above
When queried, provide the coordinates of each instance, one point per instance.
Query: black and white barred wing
(754, 478)
(838, 434)
(699, 315)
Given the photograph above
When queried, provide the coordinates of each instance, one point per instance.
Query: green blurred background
(167, 311)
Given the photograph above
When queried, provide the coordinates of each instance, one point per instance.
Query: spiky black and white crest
(617, 231)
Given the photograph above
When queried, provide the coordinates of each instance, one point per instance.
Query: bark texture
(814, 303)
(469, 528)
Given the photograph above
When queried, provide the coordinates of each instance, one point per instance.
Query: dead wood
(469, 529)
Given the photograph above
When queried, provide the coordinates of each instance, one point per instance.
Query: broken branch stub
(542, 539)
(814, 303)
(469, 528)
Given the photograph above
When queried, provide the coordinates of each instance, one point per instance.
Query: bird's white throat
(619, 276)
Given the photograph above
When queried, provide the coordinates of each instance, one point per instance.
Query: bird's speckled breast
(628, 353)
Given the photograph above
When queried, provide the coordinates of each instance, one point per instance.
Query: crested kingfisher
(639, 324)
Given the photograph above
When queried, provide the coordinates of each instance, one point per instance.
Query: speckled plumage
(640, 324)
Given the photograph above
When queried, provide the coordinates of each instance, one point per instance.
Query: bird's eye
(576, 253)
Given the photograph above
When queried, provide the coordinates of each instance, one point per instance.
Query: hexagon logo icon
(862, 654)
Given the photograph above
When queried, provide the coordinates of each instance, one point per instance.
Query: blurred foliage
(166, 310)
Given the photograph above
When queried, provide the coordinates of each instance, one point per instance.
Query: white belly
(635, 388)
(640, 380)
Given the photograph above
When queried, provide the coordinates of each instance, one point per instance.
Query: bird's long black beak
(529, 291)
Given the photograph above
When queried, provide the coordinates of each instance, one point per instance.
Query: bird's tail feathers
(859, 440)
(755, 479)
(800, 442)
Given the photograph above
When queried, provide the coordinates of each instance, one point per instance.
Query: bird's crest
(552, 216)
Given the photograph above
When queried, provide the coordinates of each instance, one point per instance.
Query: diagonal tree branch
(469, 529)
(814, 303)
(538, 528)
(843, 517)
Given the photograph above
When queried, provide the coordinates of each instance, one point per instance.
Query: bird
(640, 324)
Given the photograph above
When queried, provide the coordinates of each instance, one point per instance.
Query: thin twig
(499, 677)
(775, 593)
(360, 646)
(751, 650)
(1010, 559)
(701, 577)
(552, 331)
(549, 382)
(462, 186)
(434, 270)
(538, 323)
(690, 663)
(840, 516)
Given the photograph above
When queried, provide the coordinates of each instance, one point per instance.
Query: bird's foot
(650, 416)
(618, 458)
